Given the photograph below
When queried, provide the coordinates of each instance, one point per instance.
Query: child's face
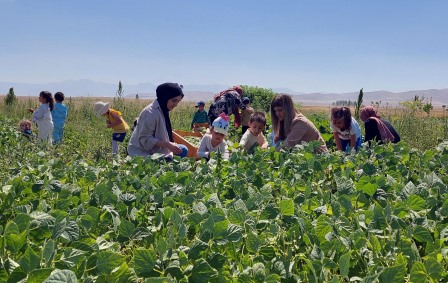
(338, 123)
(172, 103)
(256, 128)
(24, 126)
(217, 137)
(279, 113)
(41, 99)
(201, 108)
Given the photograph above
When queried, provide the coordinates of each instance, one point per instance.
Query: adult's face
(172, 103)
(279, 113)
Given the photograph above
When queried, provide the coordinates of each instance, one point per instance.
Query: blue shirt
(59, 114)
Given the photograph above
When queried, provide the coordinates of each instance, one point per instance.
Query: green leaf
(108, 261)
(16, 275)
(202, 271)
(62, 276)
(39, 275)
(15, 242)
(422, 234)
(287, 207)
(48, 251)
(394, 274)
(144, 261)
(29, 261)
(196, 249)
(344, 263)
(416, 203)
(234, 233)
(418, 273)
(434, 268)
(268, 252)
(367, 185)
(252, 242)
(126, 228)
(270, 211)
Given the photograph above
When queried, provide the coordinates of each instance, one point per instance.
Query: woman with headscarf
(377, 129)
(153, 132)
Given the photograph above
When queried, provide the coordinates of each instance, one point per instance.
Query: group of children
(49, 117)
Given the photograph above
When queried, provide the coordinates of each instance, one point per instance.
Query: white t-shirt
(205, 147)
(249, 141)
(345, 135)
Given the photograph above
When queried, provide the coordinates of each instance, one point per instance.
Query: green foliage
(260, 97)
(10, 98)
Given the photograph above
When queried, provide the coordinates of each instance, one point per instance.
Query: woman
(153, 132)
(377, 129)
(290, 126)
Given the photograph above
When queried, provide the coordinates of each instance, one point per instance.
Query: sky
(306, 46)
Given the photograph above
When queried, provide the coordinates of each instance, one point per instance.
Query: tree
(10, 98)
(260, 98)
(120, 91)
(359, 103)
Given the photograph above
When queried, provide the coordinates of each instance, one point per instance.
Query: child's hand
(31, 110)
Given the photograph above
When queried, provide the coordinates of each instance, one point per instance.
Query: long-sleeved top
(200, 117)
(303, 130)
(205, 147)
(249, 141)
(150, 129)
(59, 114)
(373, 133)
(42, 113)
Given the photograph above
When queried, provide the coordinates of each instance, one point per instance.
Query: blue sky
(307, 46)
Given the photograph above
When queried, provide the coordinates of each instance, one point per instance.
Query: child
(42, 117)
(114, 121)
(254, 137)
(346, 131)
(215, 140)
(59, 115)
(246, 112)
(25, 128)
(200, 117)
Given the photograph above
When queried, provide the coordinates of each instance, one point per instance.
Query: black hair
(48, 98)
(59, 96)
(343, 113)
(258, 117)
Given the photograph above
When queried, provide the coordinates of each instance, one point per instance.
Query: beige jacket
(303, 130)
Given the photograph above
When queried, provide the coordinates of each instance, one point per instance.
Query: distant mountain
(194, 92)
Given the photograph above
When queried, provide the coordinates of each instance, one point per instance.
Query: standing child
(254, 137)
(215, 141)
(346, 131)
(42, 117)
(59, 115)
(115, 121)
(246, 112)
(200, 117)
(25, 128)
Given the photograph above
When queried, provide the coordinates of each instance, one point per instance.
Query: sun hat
(200, 103)
(100, 108)
(221, 124)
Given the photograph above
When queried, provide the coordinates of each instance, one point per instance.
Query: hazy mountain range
(89, 88)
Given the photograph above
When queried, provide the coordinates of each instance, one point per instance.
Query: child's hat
(221, 124)
(200, 103)
(246, 100)
(100, 108)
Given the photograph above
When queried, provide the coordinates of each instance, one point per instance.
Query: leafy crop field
(70, 213)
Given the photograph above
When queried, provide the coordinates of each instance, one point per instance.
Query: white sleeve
(224, 150)
(39, 113)
(244, 139)
(202, 150)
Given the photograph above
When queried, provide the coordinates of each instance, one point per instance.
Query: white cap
(221, 124)
(100, 108)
